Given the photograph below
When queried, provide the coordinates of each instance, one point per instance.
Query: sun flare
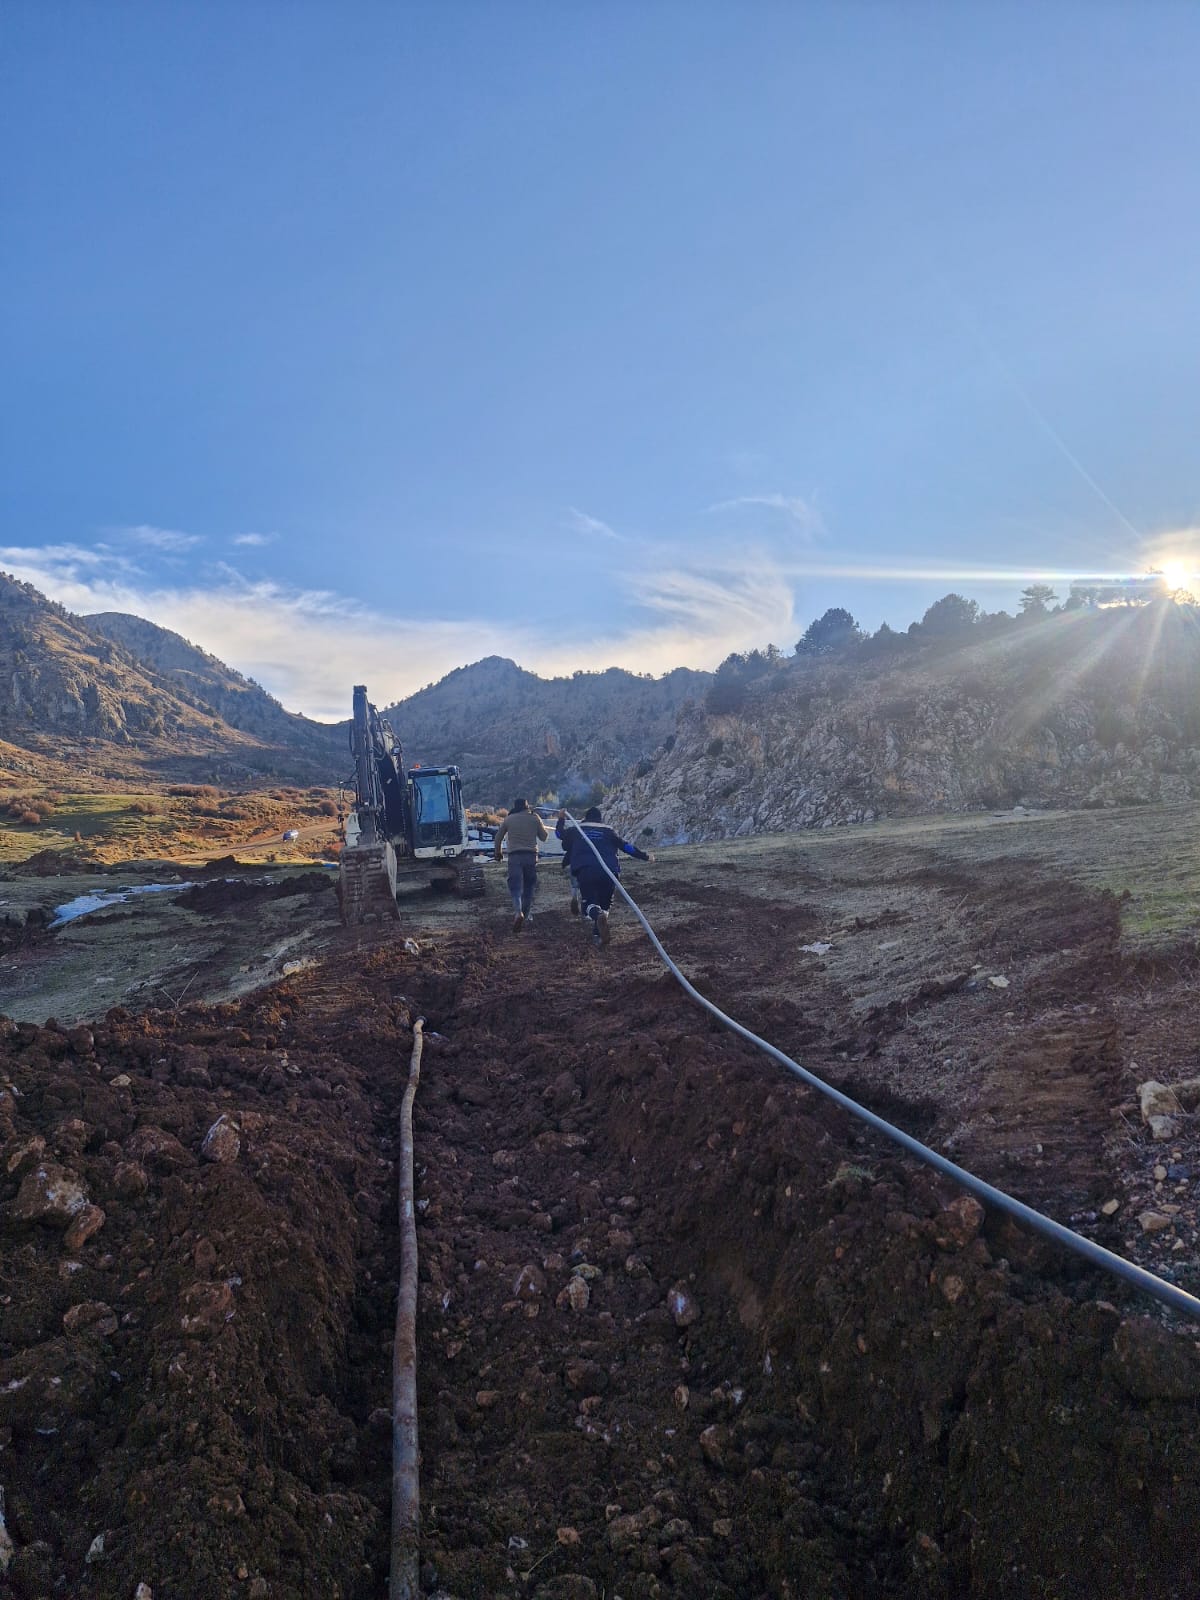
(1177, 576)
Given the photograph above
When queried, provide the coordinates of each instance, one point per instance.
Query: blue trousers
(522, 879)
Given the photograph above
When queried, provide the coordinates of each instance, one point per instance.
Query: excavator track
(470, 882)
(367, 885)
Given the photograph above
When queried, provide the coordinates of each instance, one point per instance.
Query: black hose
(1178, 1299)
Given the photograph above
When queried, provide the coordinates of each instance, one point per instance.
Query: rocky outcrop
(820, 744)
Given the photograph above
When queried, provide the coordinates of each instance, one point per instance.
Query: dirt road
(684, 1329)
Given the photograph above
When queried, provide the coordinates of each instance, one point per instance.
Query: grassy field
(140, 824)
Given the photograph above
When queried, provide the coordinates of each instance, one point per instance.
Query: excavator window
(431, 797)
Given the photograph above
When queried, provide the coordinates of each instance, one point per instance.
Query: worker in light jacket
(523, 828)
(595, 885)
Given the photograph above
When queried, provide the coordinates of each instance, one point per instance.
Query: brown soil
(871, 1397)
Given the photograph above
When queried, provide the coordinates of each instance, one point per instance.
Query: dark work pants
(595, 888)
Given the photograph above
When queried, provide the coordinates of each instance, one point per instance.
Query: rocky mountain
(72, 693)
(1088, 708)
(205, 682)
(512, 732)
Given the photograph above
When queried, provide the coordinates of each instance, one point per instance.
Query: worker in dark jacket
(595, 885)
(567, 835)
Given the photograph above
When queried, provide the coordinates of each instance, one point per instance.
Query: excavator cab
(398, 819)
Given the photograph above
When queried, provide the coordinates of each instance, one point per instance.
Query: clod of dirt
(50, 1194)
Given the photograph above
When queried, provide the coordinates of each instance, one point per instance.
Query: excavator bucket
(367, 884)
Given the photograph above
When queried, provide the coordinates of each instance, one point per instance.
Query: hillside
(513, 732)
(203, 680)
(1084, 709)
(72, 694)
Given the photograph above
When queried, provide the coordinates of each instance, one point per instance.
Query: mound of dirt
(53, 864)
(221, 894)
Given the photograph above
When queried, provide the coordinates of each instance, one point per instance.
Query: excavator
(400, 821)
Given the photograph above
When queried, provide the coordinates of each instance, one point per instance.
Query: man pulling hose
(595, 886)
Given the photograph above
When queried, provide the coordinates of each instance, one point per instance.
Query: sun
(1176, 575)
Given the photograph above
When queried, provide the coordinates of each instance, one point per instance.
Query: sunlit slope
(1083, 709)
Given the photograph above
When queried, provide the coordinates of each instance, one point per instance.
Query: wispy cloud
(255, 539)
(167, 539)
(801, 511)
(308, 646)
(581, 522)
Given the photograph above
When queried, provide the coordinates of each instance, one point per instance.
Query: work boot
(603, 929)
(518, 922)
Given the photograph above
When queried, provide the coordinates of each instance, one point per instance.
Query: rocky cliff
(1091, 709)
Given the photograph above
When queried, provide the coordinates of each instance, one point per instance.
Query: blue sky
(358, 341)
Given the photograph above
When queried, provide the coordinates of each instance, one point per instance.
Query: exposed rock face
(117, 681)
(1009, 722)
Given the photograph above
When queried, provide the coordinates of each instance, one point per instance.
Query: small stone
(587, 1271)
(143, 1592)
(25, 1154)
(682, 1305)
(575, 1297)
(222, 1142)
(529, 1283)
(714, 1442)
(157, 1149)
(204, 1257)
(682, 1397)
(567, 1537)
(49, 1194)
(624, 1531)
(957, 1224)
(1160, 1173)
(1110, 1208)
(89, 1221)
(952, 1288)
(1153, 1221)
(93, 1314)
(121, 1081)
(506, 1160)
(487, 1398)
(207, 1308)
(130, 1180)
(723, 1528)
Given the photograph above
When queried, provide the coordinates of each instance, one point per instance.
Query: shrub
(715, 746)
(30, 818)
(327, 808)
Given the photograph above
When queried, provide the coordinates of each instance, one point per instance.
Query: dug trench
(684, 1329)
